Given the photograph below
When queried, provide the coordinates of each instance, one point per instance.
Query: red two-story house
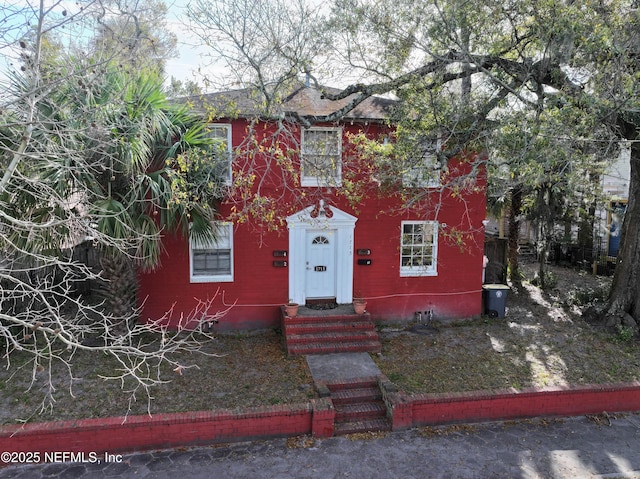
(296, 225)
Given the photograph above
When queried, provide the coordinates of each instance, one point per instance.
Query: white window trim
(229, 178)
(219, 278)
(314, 181)
(429, 157)
(407, 271)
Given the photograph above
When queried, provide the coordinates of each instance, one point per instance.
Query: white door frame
(343, 224)
(320, 252)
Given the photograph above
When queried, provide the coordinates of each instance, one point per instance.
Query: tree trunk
(624, 296)
(514, 234)
(544, 215)
(586, 227)
(121, 285)
(547, 204)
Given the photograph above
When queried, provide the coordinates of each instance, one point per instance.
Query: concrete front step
(327, 348)
(359, 426)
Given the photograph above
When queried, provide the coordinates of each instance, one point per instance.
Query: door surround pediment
(332, 218)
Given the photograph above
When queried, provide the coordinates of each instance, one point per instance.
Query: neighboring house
(324, 247)
(615, 184)
(609, 214)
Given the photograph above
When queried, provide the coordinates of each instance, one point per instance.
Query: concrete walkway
(536, 449)
(341, 366)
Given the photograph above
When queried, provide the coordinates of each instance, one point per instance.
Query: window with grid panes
(321, 157)
(213, 262)
(418, 248)
(423, 169)
(221, 133)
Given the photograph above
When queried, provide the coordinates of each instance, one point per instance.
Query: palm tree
(136, 197)
(107, 149)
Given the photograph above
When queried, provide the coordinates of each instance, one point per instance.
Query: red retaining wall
(431, 409)
(137, 433)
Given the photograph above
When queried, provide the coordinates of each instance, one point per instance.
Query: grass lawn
(542, 342)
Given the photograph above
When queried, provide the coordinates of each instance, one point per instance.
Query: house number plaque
(320, 268)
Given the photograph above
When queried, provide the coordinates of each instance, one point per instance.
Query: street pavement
(603, 446)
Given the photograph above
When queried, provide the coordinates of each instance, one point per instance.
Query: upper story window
(213, 262)
(321, 157)
(423, 169)
(221, 133)
(418, 248)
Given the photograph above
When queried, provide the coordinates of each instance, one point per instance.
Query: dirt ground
(541, 342)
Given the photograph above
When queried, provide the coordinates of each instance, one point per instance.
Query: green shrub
(550, 280)
(624, 334)
(586, 297)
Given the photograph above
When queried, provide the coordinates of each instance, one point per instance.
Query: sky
(186, 65)
(183, 68)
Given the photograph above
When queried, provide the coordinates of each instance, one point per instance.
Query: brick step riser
(358, 406)
(332, 348)
(349, 415)
(330, 338)
(328, 331)
(360, 384)
(368, 345)
(334, 388)
(341, 419)
(368, 405)
(327, 327)
(356, 396)
(327, 319)
(355, 401)
(362, 426)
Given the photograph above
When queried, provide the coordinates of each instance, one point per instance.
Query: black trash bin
(495, 299)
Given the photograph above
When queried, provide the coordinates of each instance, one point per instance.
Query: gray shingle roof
(305, 101)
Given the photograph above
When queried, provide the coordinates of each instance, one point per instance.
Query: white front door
(320, 264)
(307, 250)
